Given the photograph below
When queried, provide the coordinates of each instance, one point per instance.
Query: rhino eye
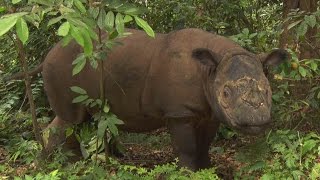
(226, 92)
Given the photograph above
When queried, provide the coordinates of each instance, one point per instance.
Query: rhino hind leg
(191, 143)
(55, 135)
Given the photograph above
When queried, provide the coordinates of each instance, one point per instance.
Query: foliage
(302, 21)
(284, 154)
(257, 23)
(298, 92)
(253, 24)
(79, 21)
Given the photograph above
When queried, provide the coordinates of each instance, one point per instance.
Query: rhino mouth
(253, 129)
(250, 129)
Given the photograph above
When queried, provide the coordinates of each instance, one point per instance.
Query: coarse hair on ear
(206, 56)
(274, 58)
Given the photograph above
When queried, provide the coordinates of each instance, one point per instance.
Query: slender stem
(27, 80)
(102, 96)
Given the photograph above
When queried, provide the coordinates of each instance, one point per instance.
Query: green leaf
(80, 98)
(119, 23)
(102, 126)
(64, 29)
(92, 33)
(308, 145)
(145, 26)
(76, 22)
(94, 63)
(43, 2)
(88, 46)
(54, 20)
(110, 20)
(69, 131)
(15, 1)
(79, 5)
(314, 66)
(302, 29)
(80, 57)
(84, 151)
(54, 173)
(294, 24)
(106, 108)
(79, 66)
(22, 30)
(2, 8)
(311, 20)
(102, 19)
(77, 35)
(302, 71)
(27, 177)
(114, 119)
(7, 23)
(113, 129)
(127, 19)
(78, 90)
(66, 40)
(318, 96)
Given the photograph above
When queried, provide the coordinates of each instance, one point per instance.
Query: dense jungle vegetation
(289, 150)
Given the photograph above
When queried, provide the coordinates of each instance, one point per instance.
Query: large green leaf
(119, 23)
(6, 23)
(79, 5)
(311, 20)
(77, 35)
(102, 126)
(110, 20)
(102, 19)
(64, 29)
(22, 30)
(88, 46)
(144, 25)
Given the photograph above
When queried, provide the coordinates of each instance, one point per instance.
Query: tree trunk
(309, 46)
(285, 40)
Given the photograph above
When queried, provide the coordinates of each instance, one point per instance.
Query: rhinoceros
(188, 80)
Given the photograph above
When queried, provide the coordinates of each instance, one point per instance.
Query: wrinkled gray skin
(188, 80)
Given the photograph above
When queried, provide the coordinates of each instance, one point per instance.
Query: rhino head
(237, 88)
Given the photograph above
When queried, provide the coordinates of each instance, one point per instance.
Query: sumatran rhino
(188, 80)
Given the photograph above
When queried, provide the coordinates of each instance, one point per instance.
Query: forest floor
(154, 148)
(151, 151)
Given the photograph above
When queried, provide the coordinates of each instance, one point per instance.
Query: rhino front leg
(183, 137)
(206, 132)
(192, 141)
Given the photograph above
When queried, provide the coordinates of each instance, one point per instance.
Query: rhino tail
(20, 75)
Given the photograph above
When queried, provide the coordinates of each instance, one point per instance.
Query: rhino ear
(206, 56)
(274, 58)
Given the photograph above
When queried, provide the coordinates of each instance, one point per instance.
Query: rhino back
(174, 86)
